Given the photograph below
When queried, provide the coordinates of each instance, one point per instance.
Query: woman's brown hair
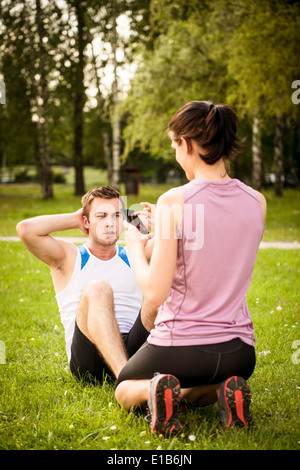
(212, 127)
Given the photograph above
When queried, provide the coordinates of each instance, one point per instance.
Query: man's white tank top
(117, 272)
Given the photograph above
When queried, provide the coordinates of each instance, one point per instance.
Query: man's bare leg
(96, 320)
(131, 393)
(148, 315)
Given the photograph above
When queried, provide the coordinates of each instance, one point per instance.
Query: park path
(264, 244)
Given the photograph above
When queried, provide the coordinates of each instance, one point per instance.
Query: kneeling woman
(207, 236)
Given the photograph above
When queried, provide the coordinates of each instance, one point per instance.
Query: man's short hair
(105, 192)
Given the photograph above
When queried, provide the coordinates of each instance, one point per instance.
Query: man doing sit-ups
(100, 302)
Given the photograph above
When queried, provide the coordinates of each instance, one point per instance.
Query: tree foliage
(263, 58)
(179, 69)
(57, 65)
(241, 53)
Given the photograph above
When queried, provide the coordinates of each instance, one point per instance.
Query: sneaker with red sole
(164, 404)
(234, 402)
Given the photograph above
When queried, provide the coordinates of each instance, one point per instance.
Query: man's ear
(85, 221)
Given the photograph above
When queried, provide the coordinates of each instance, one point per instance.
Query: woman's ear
(186, 144)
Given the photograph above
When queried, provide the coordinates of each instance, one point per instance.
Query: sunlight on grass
(43, 407)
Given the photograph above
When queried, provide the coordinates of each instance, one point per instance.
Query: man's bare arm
(35, 234)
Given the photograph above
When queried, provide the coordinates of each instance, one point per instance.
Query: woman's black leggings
(192, 365)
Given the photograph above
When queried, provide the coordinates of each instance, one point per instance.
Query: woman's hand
(134, 238)
(147, 215)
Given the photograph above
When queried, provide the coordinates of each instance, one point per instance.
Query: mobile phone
(134, 220)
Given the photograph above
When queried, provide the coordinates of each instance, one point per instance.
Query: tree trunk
(116, 118)
(278, 156)
(293, 154)
(79, 97)
(256, 155)
(43, 119)
(103, 120)
(107, 155)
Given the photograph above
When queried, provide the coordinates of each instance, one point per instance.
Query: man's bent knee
(97, 287)
(95, 291)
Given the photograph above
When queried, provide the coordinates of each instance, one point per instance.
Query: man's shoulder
(84, 254)
(123, 254)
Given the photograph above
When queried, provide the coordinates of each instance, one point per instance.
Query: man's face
(105, 221)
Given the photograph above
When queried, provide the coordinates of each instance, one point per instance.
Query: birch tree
(43, 113)
(263, 62)
(79, 96)
(116, 145)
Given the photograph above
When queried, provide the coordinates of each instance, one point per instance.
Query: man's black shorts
(86, 361)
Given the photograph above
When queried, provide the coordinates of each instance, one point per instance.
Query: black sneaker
(234, 402)
(164, 403)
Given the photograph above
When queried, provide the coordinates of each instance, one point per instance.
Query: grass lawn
(43, 407)
(19, 202)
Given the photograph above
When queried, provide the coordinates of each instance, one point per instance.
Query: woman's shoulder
(256, 194)
(263, 203)
(173, 195)
(170, 204)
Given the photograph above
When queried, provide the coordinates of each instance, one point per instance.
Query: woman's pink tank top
(219, 238)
